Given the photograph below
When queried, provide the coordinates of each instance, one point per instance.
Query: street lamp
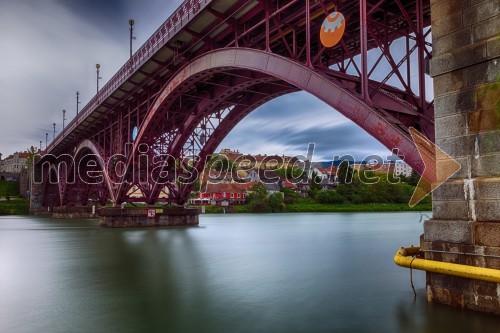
(97, 66)
(77, 101)
(46, 140)
(64, 117)
(40, 145)
(131, 23)
(54, 134)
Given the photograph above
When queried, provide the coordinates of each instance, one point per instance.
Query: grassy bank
(14, 207)
(325, 208)
(9, 188)
(378, 207)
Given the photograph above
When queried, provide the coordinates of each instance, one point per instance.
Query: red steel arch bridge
(212, 63)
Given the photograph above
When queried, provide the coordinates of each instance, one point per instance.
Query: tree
(290, 173)
(345, 173)
(346, 191)
(220, 163)
(32, 152)
(276, 202)
(314, 184)
(290, 196)
(414, 178)
(258, 200)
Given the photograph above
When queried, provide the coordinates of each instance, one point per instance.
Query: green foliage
(329, 197)
(9, 188)
(290, 196)
(381, 192)
(14, 207)
(220, 163)
(214, 209)
(260, 202)
(488, 95)
(257, 199)
(314, 184)
(414, 178)
(305, 207)
(291, 173)
(32, 151)
(345, 173)
(276, 202)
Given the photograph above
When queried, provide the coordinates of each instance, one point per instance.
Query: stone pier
(36, 194)
(74, 212)
(130, 217)
(465, 228)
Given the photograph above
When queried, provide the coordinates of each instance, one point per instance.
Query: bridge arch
(87, 147)
(381, 126)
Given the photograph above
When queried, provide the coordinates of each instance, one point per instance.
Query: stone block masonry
(465, 228)
(133, 217)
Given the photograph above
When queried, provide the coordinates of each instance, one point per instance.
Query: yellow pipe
(403, 259)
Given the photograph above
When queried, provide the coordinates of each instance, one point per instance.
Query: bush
(9, 188)
(291, 196)
(257, 199)
(329, 197)
(276, 202)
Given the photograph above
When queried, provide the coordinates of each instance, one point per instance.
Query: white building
(14, 163)
(403, 169)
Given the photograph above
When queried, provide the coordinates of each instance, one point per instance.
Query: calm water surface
(234, 273)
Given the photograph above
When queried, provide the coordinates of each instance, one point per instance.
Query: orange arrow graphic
(439, 166)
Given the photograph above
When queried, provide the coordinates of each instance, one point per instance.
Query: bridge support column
(35, 189)
(465, 228)
(131, 217)
(74, 212)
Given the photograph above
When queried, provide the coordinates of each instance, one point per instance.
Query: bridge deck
(204, 25)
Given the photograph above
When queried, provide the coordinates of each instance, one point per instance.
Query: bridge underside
(180, 96)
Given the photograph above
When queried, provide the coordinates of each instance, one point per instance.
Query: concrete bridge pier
(74, 212)
(465, 228)
(130, 217)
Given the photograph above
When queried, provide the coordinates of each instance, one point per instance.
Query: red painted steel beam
(302, 78)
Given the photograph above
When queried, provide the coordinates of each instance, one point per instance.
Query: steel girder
(287, 32)
(386, 129)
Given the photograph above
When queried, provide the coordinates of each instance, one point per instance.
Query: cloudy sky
(49, 51)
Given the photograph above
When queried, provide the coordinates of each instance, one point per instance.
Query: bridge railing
(183, 15)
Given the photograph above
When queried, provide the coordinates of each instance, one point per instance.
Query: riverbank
(332, 208)
(14, 207)
(21, 207)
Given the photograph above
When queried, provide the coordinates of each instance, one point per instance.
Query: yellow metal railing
(405, 257)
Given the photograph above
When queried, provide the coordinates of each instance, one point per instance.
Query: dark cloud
(108, 14)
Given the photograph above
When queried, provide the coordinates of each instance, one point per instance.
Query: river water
(233, 273)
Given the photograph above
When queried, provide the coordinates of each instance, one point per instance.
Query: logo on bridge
(332, 29)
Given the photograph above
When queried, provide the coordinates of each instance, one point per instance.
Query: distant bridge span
(213, 62)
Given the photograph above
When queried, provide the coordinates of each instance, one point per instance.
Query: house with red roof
(234, 193)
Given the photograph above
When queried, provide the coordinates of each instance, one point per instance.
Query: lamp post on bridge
(54, 134)
(46, 140)
(64, 117)
(131, 23)
(77, 102)
(97, 66)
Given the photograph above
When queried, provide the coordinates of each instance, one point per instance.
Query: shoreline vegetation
(17, 206)
(21, 207)
(356, 196)
(10, 202)
(327, 208)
